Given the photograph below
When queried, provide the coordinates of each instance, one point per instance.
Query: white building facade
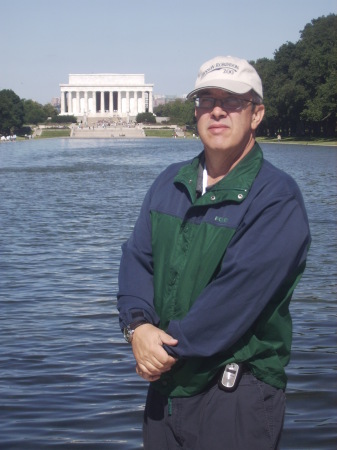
(106, 96)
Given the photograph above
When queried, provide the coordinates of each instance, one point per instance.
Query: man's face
(224, 129)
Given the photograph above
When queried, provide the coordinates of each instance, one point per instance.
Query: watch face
(128, 334)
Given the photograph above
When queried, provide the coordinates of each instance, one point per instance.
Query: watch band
(130, 329)
(136, 324)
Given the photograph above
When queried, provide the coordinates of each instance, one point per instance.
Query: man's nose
(218, 109)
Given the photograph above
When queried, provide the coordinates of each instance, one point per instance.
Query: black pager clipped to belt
(230, 377)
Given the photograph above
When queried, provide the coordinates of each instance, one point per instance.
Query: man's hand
(147, 345)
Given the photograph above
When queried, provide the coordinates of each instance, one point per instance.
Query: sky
(43, 41)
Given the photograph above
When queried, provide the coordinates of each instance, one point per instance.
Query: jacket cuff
(136, 315)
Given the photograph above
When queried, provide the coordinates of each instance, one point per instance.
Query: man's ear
(257, 116)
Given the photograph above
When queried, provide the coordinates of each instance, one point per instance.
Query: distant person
(279, 137)
(207, 276)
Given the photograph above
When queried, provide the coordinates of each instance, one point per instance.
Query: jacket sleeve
(268, 249)
(135, 295)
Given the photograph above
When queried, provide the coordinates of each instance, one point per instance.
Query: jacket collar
(234, 186)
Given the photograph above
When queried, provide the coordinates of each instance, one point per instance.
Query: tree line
(15, 112)
(300, 86)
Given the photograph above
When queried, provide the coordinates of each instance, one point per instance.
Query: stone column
(150, 102)
(111, 106)
(63, 102)
(86, 104)
(70, 102)
(102, 102)
(143, 101)
(119, 103)
(135, 106)
(94, 102)
(78, 106)
(127, 102)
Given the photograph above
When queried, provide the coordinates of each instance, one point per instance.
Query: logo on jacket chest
(221, 219)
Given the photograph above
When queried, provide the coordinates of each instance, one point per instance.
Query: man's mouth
(217, 127)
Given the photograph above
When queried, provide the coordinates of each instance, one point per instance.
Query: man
(207, 276)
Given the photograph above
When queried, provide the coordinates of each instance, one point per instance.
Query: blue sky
(43, 40)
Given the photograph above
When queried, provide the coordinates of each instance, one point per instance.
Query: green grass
(162, 132)
(52, 133)
(295, 140)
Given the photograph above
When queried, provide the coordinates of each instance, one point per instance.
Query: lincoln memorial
(106, 96)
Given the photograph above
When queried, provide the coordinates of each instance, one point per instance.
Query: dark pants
(250, 418)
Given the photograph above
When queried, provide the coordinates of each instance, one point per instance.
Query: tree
(179, 111)
(317, 52)
(11, 111)
(146, 117)
(50, 110)
(34, 112)
(300, 89)
(271, 122)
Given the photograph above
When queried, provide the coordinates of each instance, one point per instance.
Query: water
(66, 376)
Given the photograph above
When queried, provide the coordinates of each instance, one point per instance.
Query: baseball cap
(229, 74)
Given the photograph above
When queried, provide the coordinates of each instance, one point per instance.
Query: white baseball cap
(229, 74)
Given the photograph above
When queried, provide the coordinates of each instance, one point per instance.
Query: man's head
(228, 98)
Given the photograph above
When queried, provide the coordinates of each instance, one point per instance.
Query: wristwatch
(130, 329)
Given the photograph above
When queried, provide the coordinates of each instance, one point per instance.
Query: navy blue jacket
(217, 271)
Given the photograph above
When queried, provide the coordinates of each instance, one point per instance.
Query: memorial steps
(107, 132)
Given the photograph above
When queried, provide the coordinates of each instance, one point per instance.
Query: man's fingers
(143, 372)
(167, 339)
